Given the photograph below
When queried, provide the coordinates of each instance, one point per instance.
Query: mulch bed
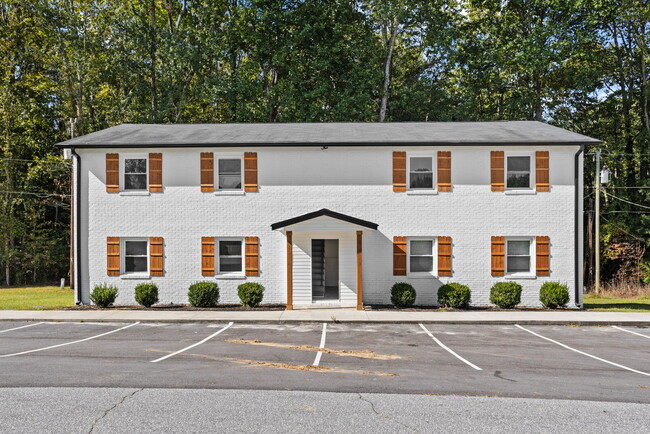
(183, 307)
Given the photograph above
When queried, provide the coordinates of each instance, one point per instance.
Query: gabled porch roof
(324, 213)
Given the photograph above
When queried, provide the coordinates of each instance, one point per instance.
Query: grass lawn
(616, 304)
(35, 298)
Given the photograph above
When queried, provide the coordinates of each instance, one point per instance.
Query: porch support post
(289, 270)
(359, 270)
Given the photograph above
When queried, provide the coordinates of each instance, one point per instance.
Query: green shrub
(454, 295)
(250, 293)
(554, 294)
(103, 295)
(402, 295)
(146, 294)
(506, 294)
(204, 294)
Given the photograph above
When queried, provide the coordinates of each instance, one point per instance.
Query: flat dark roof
(324, 212)
(319, 134)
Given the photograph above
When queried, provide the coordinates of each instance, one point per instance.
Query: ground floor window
(230, 255)
(136, 256)
(518, 255)
(420, 256)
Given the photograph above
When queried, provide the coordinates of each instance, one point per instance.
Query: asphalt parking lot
(562, 362)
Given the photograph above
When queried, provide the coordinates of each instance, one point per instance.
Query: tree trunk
(152, 58)
(387, 70)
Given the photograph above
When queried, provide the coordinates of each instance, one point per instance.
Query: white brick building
(319, 213)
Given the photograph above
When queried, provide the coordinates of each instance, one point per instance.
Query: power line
(626, 201)
(37, 161)
(39, 194)
(623, 230)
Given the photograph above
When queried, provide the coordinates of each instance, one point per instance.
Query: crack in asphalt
(121, 401)
(374, 410)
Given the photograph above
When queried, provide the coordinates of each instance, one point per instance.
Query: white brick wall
(354, 181)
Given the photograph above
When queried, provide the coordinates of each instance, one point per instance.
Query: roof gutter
(578, 216)
(77, 226)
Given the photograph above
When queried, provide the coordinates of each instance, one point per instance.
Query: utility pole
(597, 226)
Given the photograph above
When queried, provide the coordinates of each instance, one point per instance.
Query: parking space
(503, 360)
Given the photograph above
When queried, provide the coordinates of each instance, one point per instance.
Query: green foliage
(250, 293)
(454, 295)
(203, 294)
(505, 294)
(554, 294)
(146, 294)
(103, 295)
(402, 295)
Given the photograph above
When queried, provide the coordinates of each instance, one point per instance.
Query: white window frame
(123, 242)
(226, 156)
(434, 170)
(531, 272)
(123, 158)
(531, 185)
(218, 257)
(434, 253)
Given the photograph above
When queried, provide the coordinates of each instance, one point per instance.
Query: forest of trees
(582, 65)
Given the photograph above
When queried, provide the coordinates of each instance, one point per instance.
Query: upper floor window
(136, 256)
(518, 172)
(229, 174)
(135, 174)
(420, 169)
(230, 256)
(518, 256)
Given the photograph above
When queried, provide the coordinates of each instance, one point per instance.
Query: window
(518, 257)
(136, 256)
(135, 174)
(230, 174)
(230, 256)
(518, 172)
(420, 173)
(421, 256)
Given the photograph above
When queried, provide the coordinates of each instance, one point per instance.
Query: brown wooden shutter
(113, 256)
(252, 256)
(207, 171)
(207, 256)
(112, 173)
(444, 256)
(250, 171)
(399, 171)
(444, 171)
(156, 256)
(497, 161)
(498, 256)
(543, 254)
(542, 171)
(399, 256)
(155, 173)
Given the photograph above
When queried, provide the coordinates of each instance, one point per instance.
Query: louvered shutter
(444, 256)
(113, 256)
(250, 171)
(155, 173)
(252, 256)
(444, 171)
(399, 171)
(156, 256)
(497, 162)
(543, 254)
(207, 256)
(112, 173)
(399, 256)
(542, 181)
(498, 256)
(207, 171)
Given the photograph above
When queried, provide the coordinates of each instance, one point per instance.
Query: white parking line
(450, 350)
(630, 331)
(193, 345)
(322, 345)
(21, 327)
(70, 343)
(583, 353)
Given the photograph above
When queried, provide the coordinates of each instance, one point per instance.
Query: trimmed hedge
(203, 294)
(250, 293)
(103, 295)
(146, 294)
(402, 295)
(454, 295)
(554, 294)
(506, 294)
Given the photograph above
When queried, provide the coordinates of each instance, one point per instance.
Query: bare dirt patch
(364, 354)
